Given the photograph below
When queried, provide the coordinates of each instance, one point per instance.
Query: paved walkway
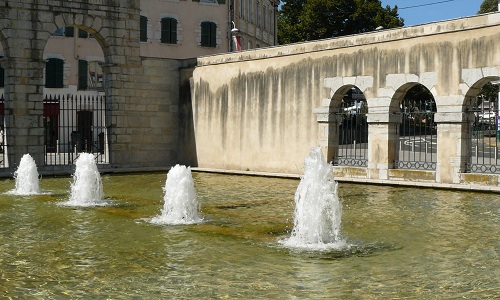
(464, 187)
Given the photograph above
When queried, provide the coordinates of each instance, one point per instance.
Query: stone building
(120, 101)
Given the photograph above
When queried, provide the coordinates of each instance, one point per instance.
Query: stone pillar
(452, 148)
(328, 132)
(24, 110)
(382, 143)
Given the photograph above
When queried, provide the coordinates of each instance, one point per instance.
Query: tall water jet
(318, 211)
(86, 189)
(26, 177)
(181, 205)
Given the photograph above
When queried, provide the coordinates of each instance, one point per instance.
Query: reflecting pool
(407, 243)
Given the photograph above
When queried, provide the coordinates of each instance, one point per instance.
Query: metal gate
(484, 139)
(74, 124)
(3, 144)
(417, 147)
(353, 134)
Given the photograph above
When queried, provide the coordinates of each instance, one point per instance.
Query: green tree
(305, 20)
(488, 6)
(489, 91)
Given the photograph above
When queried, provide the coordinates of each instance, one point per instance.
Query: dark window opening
(169, 30)
(143, 29)
(208, 34)
(54, 73)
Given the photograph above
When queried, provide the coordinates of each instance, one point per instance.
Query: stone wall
(141, 93)
(263, 110)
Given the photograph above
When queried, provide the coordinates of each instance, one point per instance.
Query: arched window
(208, 34)
(169, 30)
(54, 73)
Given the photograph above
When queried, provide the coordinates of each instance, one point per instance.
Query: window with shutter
(169, 30)
(208, 34)
(83, 69)
(143, 29)
(54, 73)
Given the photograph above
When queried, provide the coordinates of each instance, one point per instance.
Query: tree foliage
(488, 6)
(305, 20)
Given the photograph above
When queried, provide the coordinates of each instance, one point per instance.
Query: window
(208, 34)
(258, 13)
(2, 77)
(54, 73)
(90, 76)
(242, 8)
(69, 31)
(169, 30)
(264, 18)
(83, 34)
(83, 67)
(250, 11)
(143, 29)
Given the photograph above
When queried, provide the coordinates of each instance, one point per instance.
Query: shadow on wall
(187, 142)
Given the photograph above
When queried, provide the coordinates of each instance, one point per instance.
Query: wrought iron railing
(74, 124)
(484, 142)
(353, 134)
(3, 144)
(417, 146)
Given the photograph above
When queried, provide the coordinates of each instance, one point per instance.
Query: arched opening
(352, 129)
(417, 139)
(74, 114)
(483, 110)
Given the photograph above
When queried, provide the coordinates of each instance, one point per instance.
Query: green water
(408, 243)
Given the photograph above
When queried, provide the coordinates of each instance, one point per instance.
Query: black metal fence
(3, 144)
(417, 147)
(484, 137)
(74, 124)
(353, 134)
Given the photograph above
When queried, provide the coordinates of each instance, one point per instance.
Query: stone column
(328, 132)
(24, 110)
(452, 151)
(382, 143)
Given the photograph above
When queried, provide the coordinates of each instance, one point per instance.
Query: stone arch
(326, 115)
(71, 124)
(473, 80)
(416, 130)
(409, 82)
(483, 138)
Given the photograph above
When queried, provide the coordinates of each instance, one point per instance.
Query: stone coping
(462, 187)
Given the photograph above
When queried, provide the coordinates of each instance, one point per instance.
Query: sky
(416, 12)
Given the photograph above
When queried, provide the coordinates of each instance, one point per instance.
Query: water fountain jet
(86, 189)
(318, 211)
(26, 177)
(180, 203)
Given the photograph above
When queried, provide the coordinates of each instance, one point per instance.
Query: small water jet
(318, 211)
(181, 205)
(26, 177)
(86, 189)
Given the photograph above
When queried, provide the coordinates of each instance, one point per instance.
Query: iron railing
(3, 144)
(417, 146)
(74, 124)
(484, 142)
(353, 134)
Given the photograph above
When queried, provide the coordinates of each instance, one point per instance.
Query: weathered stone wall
(262, 110)
(141, 93)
